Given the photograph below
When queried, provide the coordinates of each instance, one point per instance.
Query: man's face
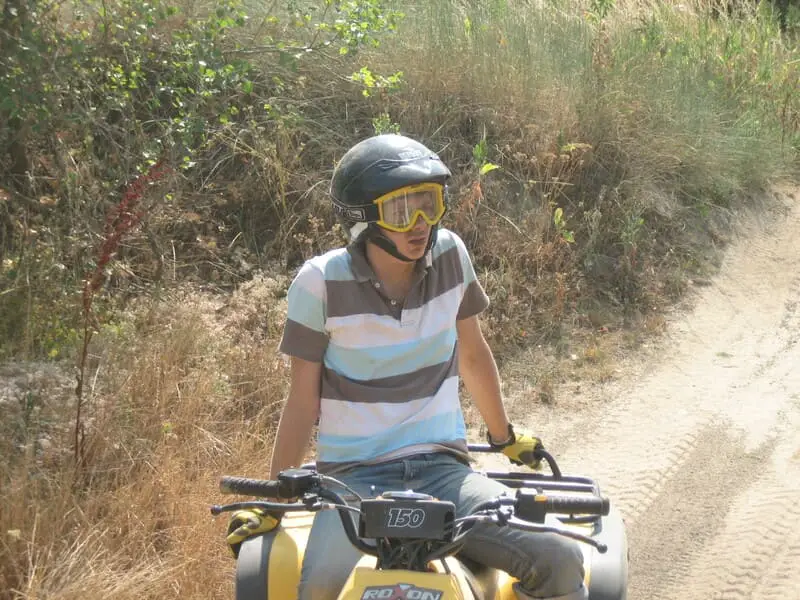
(411, 244)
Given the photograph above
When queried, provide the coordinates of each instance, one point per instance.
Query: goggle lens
(399, 210)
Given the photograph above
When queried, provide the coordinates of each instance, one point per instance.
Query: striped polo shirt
(390, 369)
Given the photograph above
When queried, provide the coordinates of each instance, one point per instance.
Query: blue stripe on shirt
(375, 362)
(337, 267)
(335, 448)
(306, 308)
(444, 242)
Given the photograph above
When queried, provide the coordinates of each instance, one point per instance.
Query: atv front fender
(608, 578)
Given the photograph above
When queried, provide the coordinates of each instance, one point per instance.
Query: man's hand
(246, 523)
(521, 448)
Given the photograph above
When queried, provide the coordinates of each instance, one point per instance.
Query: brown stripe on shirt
(345, 298)
(303, 342)
(444, 275)
(353, 297)
(474, 301)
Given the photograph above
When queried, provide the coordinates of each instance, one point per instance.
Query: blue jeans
(547, 565)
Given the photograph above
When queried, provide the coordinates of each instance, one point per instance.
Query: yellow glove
(521, 448)
(246, 523)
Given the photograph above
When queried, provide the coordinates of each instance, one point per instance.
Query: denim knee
(328, 560)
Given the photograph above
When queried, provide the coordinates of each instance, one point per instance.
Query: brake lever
(537, 528)
(333, 506)
(281, 507)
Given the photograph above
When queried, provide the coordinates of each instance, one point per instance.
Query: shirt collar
(363, 271)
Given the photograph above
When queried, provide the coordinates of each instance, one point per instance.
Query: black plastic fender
(609, 574)
(252, 568)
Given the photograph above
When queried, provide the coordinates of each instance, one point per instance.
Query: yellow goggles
(399, 209)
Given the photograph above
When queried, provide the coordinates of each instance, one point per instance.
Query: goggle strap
(361, 214)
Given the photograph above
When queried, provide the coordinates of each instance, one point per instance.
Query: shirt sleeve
(474, 301)
(304, 333)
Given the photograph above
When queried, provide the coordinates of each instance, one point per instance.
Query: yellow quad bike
(410, 541)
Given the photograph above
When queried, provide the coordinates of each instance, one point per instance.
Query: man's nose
(419, 224)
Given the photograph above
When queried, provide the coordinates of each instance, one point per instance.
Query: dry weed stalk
(121, 219)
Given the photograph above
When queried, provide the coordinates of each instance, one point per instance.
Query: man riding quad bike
(380, 334)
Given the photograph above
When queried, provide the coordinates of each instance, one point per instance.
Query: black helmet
(374, 167)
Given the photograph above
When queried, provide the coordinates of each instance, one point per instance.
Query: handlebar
(291, 483)
(261, 488)
(528, 508)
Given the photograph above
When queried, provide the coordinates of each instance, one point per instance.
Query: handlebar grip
(533, 506)
(577, 505)
(250, 487)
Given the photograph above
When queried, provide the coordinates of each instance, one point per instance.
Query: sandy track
(698, 443)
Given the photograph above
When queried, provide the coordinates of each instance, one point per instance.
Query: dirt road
(698, 442)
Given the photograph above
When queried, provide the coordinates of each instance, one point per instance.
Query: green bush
(614, 124)
(98, 93)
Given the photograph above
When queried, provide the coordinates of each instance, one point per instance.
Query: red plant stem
(121, 219)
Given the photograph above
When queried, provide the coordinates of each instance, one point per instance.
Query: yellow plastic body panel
(286, 559)
(365, 583)
(286, 556)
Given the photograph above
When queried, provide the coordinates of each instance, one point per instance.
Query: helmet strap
(374, 234)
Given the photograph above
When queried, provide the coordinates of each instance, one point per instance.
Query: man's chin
(415, 252)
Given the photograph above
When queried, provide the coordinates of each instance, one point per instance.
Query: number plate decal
(401, 591)
(406, 518)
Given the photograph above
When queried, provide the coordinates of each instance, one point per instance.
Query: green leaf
(479, 151)
(488, 168)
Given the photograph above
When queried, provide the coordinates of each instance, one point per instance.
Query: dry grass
(191, 391)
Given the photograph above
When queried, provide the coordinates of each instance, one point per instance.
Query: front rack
(556, 481)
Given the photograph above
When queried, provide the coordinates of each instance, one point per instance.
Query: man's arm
(299, 415)
(478, 369)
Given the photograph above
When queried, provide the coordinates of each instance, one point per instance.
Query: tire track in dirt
(757, 552)
(691, 443)
(725, 486)
(689, 512)
(711, 358)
